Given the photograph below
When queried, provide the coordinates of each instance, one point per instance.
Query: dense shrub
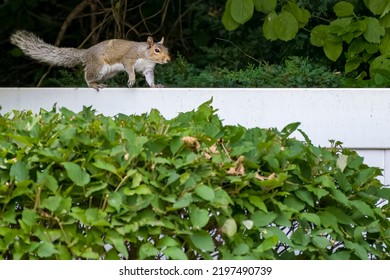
(295, 72)
(87, 186)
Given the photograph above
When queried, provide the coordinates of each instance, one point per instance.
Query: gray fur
(37, 49)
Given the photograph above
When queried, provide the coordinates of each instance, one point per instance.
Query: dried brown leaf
(191, 142)
(238, 169)
(262, 178)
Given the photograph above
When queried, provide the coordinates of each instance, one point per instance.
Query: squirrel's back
(35, 48)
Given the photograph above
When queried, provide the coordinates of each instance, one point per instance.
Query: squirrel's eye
(157, 50)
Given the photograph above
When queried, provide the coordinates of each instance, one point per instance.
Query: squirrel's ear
(161, 41)
(150, 41)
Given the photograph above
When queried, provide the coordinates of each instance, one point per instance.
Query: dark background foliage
(193, 32)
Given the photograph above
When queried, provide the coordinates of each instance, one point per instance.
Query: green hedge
(295, 72)
(87, 186)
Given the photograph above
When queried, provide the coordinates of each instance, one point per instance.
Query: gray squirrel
(101, 61)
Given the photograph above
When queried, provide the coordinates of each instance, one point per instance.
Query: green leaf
(320, 242)
(115, 200)
(319, 35)
(363, 208)
(305, 196)
(350, 65)
(46, 249)
(167, 241)
(262, 219)
(265, 6)
(89, 254)
(227, 20)
(258, 202)
(268, 27)
(101, 164)
(384, 46)
(183, 201)
(51, 203)
(19, 171)
(47, 180)
(202, 241)
(176, 145)
(267, 244)
(301, 15)
(286, 26)
(29, 217)
(374, 30)
(199, 217)
(378, 7)
(311, 217)
(242, 10)
(294, 203)
(95, 187)
(115, 239)
(147, 250)
(78, 176)
(96, 217)
(385, 21)
(205, 192)
(358, 249)
(340, 197)
(356, 47)
(290, 129)
(175, 253)
(344, 9)
(333, 50)
(340, 215)
(140, 190)
(328, 220)
(300, 237)
(339, 256)
(241, 249)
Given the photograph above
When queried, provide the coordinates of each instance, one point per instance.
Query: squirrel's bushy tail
(37, 49)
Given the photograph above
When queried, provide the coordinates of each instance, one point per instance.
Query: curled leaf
(239, 168)
(191, 142)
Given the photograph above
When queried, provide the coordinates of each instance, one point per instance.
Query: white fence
(360, 118)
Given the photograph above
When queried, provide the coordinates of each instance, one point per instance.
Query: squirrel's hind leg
(92, 78)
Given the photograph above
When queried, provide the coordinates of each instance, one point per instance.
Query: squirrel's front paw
(130, 83)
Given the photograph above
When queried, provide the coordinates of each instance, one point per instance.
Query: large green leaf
(344, 9)
(301, 15)
(115, 239)
(115, 200)
(242, 10)
(47, 180)
(205, 192)
(175, 253)
(78, 175)
(285, 26)
(319, 35)
(265, 6)
(19, 171)
(311, 217)
(46, 249)
(147, 250)
(202, 241)
(268, 27)
(333, 50)
(199, 217)
(374, 30)
(263, 219)
(378, 7)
